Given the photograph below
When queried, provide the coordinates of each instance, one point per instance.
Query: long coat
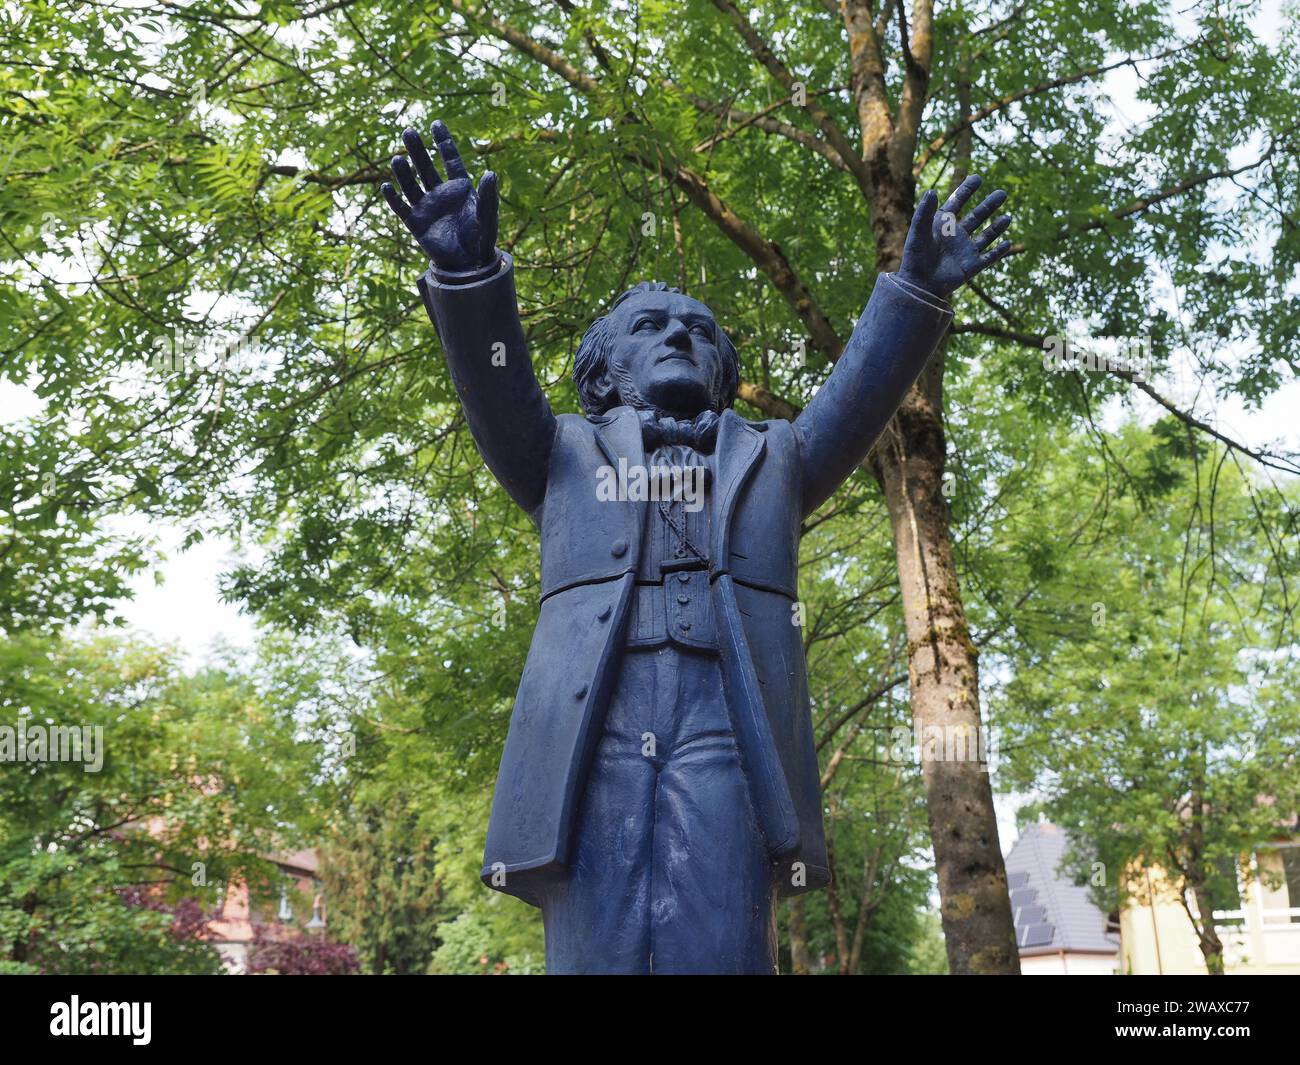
(769, 477)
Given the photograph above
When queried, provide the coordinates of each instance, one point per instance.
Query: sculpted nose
(678, 336)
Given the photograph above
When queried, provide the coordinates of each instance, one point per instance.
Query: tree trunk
(833, 899)
(943, 672)
(908, 460)
(800, 959)
(1206, 937)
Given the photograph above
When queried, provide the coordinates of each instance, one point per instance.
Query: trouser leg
(598, 919)
(712, 891)
(669, 871)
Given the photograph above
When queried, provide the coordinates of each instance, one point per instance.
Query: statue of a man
(659, 786)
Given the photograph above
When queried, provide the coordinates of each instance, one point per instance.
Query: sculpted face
(665, 353)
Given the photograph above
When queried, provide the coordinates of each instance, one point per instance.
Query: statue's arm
(891, 342)
(469, 292)
(894, 338)
(507, 412)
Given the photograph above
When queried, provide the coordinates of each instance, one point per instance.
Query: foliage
(216, 320)
(380, 877)
(273, 954)
(1154, 710)
(106, 870)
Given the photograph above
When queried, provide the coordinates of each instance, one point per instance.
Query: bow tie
(698, 433)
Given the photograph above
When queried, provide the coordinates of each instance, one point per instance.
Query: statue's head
(659, 349)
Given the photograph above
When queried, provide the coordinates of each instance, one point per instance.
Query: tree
(1153, 705)
(872, 793)
(113, 853)
(380, 876)
(301, 954)
(222, 321)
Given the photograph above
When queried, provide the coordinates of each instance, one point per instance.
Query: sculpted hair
(592, 358)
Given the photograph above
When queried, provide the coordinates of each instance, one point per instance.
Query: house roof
(1051, 912)
(302, 861)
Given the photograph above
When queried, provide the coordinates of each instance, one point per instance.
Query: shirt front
(672, 602)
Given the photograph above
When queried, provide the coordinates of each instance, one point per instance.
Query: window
(1290, 857)
(1224, 892)
(1279, 888)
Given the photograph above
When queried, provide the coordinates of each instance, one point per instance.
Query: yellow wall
(1159, 938)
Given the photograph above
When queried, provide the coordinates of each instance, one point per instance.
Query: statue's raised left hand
(943, 252)
(453, 222)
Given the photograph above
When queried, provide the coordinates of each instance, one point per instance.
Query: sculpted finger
(399, 206)
(996, 228)
(924, 216)
(406, 179)
(447, 149)
(985, 210)
(488, 217)
(962, 193)
(997, 253)
(420, 158)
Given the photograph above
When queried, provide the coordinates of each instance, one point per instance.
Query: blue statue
(658, 790)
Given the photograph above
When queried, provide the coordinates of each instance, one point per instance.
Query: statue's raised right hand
(454, 224)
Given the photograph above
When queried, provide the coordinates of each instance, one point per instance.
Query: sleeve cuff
(468, 277)
(937, 302)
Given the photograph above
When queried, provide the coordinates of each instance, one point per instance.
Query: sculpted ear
(604, 390)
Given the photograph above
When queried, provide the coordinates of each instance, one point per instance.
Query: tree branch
(768, 402)
(830, 130)
(1039, 341)
(1010, 98)
(765, 254)
(1145, 203)
(917, 57)
(762, 120)
(530, 47)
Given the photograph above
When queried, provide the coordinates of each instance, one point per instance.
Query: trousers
(669, 872)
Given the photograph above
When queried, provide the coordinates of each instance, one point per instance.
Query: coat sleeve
(894, 338)
(508, 415)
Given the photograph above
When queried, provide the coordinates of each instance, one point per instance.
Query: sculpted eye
(643, 323)
(702, 330)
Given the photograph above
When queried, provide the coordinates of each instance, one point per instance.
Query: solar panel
(1027, 915)
(1036, 935)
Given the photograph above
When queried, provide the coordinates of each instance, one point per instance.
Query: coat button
(618, 548)
(580, 692)
(683, 624)
(603, 614)
(683, 577)
(683, 598)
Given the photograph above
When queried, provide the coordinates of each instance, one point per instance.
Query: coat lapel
(618, 434)
(739, 445)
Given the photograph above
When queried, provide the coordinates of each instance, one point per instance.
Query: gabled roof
(1052, 914)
